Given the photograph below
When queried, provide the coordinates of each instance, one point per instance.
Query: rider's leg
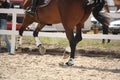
(33, 7)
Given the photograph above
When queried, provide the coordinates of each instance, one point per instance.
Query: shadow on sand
(79, 52)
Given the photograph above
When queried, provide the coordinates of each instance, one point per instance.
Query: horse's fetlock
(70, 62)
(39, 45)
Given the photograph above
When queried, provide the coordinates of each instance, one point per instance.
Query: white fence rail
(13, 32)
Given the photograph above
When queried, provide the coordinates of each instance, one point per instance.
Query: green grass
(47, 40)
(84, 42)
(98, 43)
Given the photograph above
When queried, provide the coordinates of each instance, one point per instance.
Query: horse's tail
(101, 17)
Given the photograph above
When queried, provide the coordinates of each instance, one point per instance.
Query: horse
(71, 13)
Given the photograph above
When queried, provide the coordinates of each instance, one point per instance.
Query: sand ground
(89, 65)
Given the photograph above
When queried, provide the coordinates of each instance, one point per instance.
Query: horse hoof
(62, 64)
(66, 55)
(65, 64)
(42, 50)
(19, 49)
(69, 64)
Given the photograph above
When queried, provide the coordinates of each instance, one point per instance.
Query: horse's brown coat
(70, 13)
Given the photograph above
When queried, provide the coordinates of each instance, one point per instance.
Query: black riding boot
(31, 11)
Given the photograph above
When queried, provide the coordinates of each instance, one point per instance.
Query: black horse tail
(101, 17)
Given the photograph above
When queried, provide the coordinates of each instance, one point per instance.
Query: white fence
(14, 13)
(14, 33)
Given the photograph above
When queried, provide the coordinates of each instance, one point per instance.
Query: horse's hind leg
(42, 50)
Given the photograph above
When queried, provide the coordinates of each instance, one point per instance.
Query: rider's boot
(31, 11)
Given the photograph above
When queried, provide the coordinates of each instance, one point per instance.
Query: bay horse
(71, 13)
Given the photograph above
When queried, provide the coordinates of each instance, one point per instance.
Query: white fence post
(14, 13)
(13, 36)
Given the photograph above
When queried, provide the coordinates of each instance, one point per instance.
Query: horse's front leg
(42, 50)
(72, 54)
(71, 49)
(73, 40)
(25, 24)
(78, 37)
(19, 39)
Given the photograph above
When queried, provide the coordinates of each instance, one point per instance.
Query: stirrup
(30, 12)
